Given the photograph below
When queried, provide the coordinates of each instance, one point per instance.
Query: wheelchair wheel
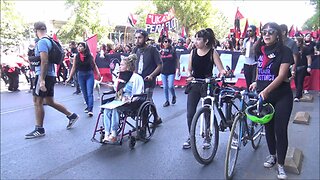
(132, 142)
(145, 123)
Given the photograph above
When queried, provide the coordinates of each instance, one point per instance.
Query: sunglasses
(268, 31)
(249, 30)
(165, 41)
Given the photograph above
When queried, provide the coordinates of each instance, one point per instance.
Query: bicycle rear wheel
(233, 147)
(256, 131)
(204, 136)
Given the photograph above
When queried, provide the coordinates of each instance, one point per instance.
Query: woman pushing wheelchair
(127, 84)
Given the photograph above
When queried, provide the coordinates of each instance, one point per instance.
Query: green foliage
(13, 30)
(195, 15)
(142, 12)
(84, 22)
(313, 22)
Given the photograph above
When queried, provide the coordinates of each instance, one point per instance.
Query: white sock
(114, 133)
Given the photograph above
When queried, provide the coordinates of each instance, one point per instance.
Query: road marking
(13, 110)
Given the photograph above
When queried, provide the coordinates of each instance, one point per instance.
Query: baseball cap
(144, 33)
(40, 26)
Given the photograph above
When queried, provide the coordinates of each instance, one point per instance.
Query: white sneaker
(296, 100)
(281, 173)
(306, 92)
(270, 161)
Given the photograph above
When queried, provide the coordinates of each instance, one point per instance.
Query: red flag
(291, 32)
(54, 37)
(244, 33)
(183, 31)
(238, 14)
(164, 30)
(92, 44)
(237, 31)
(132, 20)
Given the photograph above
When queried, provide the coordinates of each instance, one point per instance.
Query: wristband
(309, 66)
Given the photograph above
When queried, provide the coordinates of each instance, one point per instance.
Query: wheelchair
(136, 120)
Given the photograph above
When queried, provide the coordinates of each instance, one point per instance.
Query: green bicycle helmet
(263, 116)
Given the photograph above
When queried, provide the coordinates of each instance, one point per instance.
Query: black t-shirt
(304, 51)
(86, 65)
(148, 60)
(267, 75)
(202, 65)
(169, 60)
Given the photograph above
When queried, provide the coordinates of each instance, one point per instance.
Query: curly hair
(130, 61)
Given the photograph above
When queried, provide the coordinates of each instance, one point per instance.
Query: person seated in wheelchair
(127, 84)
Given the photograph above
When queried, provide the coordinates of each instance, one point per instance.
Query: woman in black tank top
(201, 62)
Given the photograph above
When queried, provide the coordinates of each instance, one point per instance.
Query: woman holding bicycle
(272, 83)
(200, 65)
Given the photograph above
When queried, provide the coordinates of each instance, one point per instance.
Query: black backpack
(56, 54)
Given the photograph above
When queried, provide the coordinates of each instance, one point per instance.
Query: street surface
(70, 154)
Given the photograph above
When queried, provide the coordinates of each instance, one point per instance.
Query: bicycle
(242, 132)
(204, 133)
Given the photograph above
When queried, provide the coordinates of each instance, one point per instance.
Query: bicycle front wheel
(256, 131)
(233, 147)
(204, 135)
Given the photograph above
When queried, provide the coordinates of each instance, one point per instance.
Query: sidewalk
(306, 137)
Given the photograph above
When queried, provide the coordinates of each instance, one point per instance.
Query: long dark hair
(86, 52)
(206, 34)
(279, 42)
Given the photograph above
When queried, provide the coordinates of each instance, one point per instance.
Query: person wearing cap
(44, 84)
(148, 65)
(250, 64)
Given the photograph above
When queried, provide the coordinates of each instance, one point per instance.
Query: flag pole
(125, 35)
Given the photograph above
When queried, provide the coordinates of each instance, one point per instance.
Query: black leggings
(277, 128)
(249, 73)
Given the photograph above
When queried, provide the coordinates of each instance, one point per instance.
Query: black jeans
(193, 99)
(277, 128)
(250, 73)
(299, 80)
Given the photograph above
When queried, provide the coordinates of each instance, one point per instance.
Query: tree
(13, 30)
(195, 15)
(84, 22)
(313, 22)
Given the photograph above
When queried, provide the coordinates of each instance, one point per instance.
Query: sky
(287, 12)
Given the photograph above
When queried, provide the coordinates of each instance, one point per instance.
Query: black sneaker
(186, 145)
(90, 113)
(38, 132)
(86, 110)
(174, 99)
(166, 104)
(72, 119)
(77, 92)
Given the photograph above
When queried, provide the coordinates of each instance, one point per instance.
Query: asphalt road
(70, 154)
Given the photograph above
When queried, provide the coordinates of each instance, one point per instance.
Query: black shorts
(50, 81)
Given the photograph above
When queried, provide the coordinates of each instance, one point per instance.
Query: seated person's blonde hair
(130, 61)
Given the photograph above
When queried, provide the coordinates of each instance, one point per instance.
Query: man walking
(290, 43)
(148, 65)
(44, 84)
(250, 64)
